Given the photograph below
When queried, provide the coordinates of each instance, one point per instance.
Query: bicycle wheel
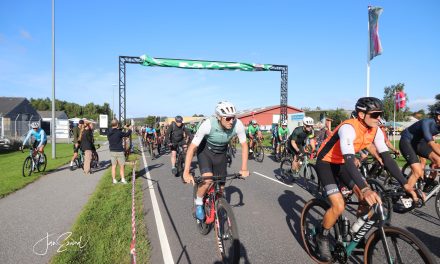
(41, 164)
(376, 186)
(403, 247)
(259, 154)
(437, 204)
(286, 174)
(311, 179)
(311, 218)
(227, 233)
(202, 227)
(27, 167)
(95, 159)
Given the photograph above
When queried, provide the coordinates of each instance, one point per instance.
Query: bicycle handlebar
(198, 179)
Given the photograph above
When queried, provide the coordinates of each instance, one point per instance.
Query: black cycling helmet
(437, 111)
(369, 104)
(354, 114)
(179, 119)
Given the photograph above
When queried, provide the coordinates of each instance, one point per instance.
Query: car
(7, 143)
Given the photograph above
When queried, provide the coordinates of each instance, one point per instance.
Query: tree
(337, 115)
(419, 114)
(389, 103)
(435, 105)
(150, 120)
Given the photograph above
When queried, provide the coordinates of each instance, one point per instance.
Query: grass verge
(11, 165)
(105, 223)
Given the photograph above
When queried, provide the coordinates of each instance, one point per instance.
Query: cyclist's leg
(408, 151)
(173, 155)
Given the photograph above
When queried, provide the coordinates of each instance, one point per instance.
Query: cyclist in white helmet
(297, 140)
(211, 141)
(39, 135)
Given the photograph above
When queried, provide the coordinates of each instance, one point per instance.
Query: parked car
(10, 143)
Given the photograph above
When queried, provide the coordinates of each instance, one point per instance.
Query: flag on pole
(400, 100)
(373, 30)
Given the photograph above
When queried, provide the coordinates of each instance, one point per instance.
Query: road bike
(35, 161)
(150, 147)
(283, 153)
(386, 244)
(306, 170)
(219, 214)
(431, 190)
(230, 153)
(257, 150)
(180, 161)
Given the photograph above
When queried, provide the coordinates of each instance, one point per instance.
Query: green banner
(208, 65)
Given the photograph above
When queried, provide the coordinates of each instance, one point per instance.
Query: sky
(323, 43)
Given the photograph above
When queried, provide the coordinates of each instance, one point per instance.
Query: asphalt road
(267, 213)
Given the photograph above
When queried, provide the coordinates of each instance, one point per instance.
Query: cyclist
(382, 126)
(418, 139)
(211, 141)
(175, 137)
(39, 135)
(151, 137)
(336, 159)
(298, 139)
(159, 137)
(275, 139)
(76, 133)
(252, 132)
(283, 134)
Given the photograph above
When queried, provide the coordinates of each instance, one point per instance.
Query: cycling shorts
(412, 149)
(209, 161)
(75, 148)
(330, 174)
(36, 143)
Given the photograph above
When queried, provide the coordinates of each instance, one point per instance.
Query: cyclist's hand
(188, 178)
(372, 197)
(410, 190)
(357, 162)
(397, 153)
(244, 173)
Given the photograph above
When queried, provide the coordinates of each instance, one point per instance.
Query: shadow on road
(243, 256)
(430, 241)
(292, 205)
(426, 217)
(229, 191)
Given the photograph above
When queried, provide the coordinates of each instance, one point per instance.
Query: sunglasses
(229, 118)
(375, 115)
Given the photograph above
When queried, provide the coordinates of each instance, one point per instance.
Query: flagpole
(394, 120)
(368, 56)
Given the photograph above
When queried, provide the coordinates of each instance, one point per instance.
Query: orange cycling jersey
(330, 149)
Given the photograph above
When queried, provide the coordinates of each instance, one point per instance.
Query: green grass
(105, 223)
(11, 165)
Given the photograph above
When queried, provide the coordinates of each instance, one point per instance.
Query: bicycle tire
(227, 232)
(95, 159)
(374, 245)
(437, 204)
(311, 227)
(42, 166)
(259, 154)
(27, 167)
(311, 179)
(202, 227)
(387, 204)
(286, 171)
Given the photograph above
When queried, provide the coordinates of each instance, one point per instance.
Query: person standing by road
(115, 137)
(86, 139)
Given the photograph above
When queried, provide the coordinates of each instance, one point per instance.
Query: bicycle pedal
(407, 202)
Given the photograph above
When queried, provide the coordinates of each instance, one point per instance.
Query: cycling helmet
(437, 111)
(369, 104)
(284, 123)
(225, 109)
(253, 122)
(354, 114)
(178, 119)
(308, 121)
(35, 125)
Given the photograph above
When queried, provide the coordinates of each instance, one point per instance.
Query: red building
(265, 116)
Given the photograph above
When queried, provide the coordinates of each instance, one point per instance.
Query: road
(267, 213)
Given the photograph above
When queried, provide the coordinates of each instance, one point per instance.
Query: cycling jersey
(217, 138)
(283, 132)
(423, 129)
(299, 135)
(39, 135)
(252, 130)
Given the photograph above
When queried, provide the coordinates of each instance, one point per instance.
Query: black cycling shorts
(412, 149)
(175, 145)
(75, 148)
(329, 174)
(209, 161)
(36, 143)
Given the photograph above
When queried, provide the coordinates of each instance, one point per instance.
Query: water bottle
(357, 225)
(346, 228)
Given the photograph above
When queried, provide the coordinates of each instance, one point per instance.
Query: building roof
(48, 114)
(7, 104)
(254, 111)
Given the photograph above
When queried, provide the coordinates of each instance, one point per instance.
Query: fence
(15, 129)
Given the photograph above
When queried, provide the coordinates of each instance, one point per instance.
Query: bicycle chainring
(340, 254)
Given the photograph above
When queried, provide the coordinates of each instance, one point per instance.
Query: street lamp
(113, 107)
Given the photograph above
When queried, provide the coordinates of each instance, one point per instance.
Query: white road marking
(267, 177)
(164, 244)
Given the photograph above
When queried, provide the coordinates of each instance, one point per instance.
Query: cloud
(25, 34)
(420, 103)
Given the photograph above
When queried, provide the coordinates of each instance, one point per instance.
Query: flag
(373, 30)
(400, 100)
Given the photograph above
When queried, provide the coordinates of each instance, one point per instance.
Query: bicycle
(79, 160)
(384, 243)
(306, 170)
(283, 153)
(95, 158)
(180, 161)
(431, 191)
(257, 150)
(150, 148)
(230, 154)
(35, 161)
(218, 213)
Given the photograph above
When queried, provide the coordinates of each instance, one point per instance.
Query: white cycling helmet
(254, 122)
(308, 121)
(225, 109)
(284, 123)
(35, 125)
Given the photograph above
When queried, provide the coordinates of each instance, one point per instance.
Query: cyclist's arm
(204, 130)
(241, 134)
(28, 136)
(346, 138)
(373, 151)
(168, 133)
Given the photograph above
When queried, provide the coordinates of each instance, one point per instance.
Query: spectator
(86, 145)
(115, 137)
